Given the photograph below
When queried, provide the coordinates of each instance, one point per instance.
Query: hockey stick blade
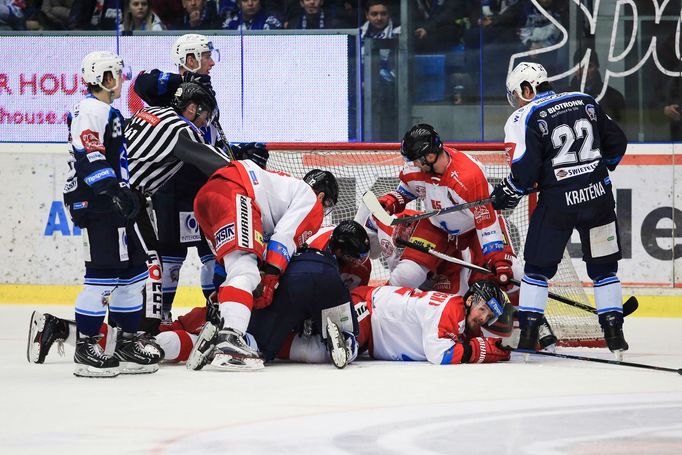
(596, 360)
(372, 203)
(628, 307)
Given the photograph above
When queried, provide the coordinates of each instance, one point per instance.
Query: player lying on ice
(311, 273)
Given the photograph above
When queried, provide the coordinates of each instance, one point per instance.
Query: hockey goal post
(363, 166)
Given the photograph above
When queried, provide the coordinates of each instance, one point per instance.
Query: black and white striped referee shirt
(159, 141)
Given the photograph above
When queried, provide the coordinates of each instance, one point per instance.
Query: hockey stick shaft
(611, 362)
(223, 138)
(629, 306)
(374, 206)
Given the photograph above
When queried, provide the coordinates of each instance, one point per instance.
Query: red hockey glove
(500, 263)
(393, 202)
(268, 284)
(487, 350)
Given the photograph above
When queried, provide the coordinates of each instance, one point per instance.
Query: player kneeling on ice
(102, 204)
(240, 208)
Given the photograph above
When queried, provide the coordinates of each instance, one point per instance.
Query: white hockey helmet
(96, 64)
(194, 44)
(532, 73)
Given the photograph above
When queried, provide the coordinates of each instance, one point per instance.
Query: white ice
(548, 406)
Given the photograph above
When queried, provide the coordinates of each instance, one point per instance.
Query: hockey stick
(374, 206)
(612, 362)
(629, 306)
(223, 138)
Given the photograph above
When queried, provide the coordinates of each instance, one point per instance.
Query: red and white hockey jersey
(408, 324)
(289, 208)
(464, 180)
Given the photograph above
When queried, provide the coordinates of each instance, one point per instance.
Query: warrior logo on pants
(244, 238)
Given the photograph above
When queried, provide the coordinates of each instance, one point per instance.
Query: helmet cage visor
(496, 307)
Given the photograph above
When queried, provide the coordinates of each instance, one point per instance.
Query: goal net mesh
(360, 167)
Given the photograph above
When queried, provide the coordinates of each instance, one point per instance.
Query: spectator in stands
(57, 13)
(379, 24)
(314, 16)
(251, 16)
(12, 15)
(200, 15)
(436, 23)
(613, 102)
(537, 32)
(169, 11)
(139, 16)
(95, 14)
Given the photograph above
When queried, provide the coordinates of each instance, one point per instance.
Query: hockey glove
(487, 350)
(268, 284)
(126, 201)
(506, 195)
(254, 151)
(204, 80)
(500, 263)
(393, 202)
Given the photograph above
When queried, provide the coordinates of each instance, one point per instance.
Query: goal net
(360, 167)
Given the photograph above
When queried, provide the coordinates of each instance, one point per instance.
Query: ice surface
(549, 406)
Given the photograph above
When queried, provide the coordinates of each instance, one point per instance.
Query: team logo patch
(543, 114)
(223, 235)
(421, 191)
(189, 227)
(91, 142)
(245, 226)
(591, 112)
(70, 186)
(305, 236)
(387, 248)
(544, 129)
(481, 214)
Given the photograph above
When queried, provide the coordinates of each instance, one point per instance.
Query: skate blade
(202, 348)
(337, 349)
(227, 362)
(87, 371)
(136, 368)
(36, 326)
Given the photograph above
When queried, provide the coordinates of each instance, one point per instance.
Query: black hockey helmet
(351, 238)
(189, 92)
(489, 293)
(323, 181)
(419, 141)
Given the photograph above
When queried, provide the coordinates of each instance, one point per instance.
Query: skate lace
(60, 347)
(96, 351)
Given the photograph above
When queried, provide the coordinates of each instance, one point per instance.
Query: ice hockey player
(311, 273)
(239, 209)
(407, 324)
(563, 145)
(102, 204)
(442, 177)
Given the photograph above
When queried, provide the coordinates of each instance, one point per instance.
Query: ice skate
(44, 331)
(546, 338)
(612, 325)
(232, 353)
(202, 350)
(336, 345)
(139, 354)
(91, 362)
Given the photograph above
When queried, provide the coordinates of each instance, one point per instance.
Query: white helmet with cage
(96, 64)
(532, 73)
(192, 44)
